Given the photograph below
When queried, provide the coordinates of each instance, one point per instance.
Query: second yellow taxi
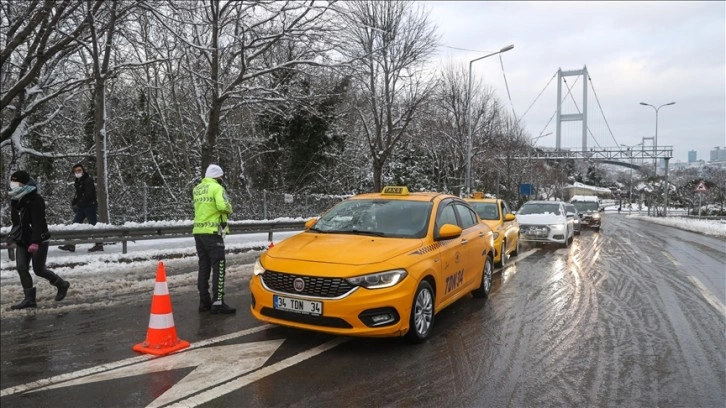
(377, 264)
(496, 214)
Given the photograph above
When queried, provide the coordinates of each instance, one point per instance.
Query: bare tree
(390, 42)
(35, 65)
(228, 47)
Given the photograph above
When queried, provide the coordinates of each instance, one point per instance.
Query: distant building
(718, 155)
(692, 156)
(583, 189)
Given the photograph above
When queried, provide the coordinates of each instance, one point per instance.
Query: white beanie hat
(214, 171)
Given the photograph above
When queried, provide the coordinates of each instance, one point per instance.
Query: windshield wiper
(374, 233)
(357, 232)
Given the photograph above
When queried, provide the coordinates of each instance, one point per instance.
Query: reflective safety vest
(211, 207)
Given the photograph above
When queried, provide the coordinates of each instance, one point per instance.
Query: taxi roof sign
(477, 194)
(395, 190)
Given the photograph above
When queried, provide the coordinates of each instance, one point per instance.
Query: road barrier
(114, 234)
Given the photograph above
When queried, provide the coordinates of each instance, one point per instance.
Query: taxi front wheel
(422, 314)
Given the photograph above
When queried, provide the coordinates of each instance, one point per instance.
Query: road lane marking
(710, 298)
(238, 383)
(212, 365)
(122, 363)
(671, 258)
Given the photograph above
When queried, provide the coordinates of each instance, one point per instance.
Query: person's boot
(96, 248)
(62, 288)
(69, 248)
(222, 308)
(29, 300)
(205, 302)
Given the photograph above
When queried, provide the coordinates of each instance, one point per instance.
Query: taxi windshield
(378, 217)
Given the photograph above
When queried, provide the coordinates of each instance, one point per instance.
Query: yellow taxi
(376, 265)
(497, 215)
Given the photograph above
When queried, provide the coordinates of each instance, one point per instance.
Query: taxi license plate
(302, 306)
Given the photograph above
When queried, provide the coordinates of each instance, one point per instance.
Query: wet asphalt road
(630, 316)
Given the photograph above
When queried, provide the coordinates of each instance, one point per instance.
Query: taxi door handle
(464, 241)
(481, 234)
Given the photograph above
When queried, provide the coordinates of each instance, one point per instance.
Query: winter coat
(29, 213)
(85, 191)
(211, 207)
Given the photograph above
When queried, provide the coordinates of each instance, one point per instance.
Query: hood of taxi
(341, 248)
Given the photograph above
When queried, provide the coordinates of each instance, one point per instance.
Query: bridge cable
(569, 92)
(537, 97)
(601, 112)
(506, 84)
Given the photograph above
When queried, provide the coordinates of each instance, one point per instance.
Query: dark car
(589, 211)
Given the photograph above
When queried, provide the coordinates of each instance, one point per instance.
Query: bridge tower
(572, 116)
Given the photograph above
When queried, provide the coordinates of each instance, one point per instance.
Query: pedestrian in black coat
(84, 204)
(27, 211)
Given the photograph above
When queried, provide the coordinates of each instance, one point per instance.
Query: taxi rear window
(486, 211)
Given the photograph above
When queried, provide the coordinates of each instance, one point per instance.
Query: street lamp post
(468, 115)
(655, 143)
(655, 162)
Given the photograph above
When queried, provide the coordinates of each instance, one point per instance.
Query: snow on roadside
(715, 228)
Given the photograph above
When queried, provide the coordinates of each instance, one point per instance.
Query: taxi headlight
(258, 269)
(378, 280)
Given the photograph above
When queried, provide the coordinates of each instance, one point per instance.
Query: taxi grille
(314, 286)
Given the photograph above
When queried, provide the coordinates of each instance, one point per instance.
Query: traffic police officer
(211, 208)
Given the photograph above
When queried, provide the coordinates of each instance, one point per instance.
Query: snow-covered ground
(716, 228)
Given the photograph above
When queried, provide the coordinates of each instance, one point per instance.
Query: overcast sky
(655, 52)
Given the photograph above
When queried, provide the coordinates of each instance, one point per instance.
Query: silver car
(546, 222)
(576, 218)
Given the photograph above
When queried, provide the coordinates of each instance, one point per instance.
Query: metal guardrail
(123, 234)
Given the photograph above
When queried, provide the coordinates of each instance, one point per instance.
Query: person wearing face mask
(84, 204)
(211, 209)
(27, 210)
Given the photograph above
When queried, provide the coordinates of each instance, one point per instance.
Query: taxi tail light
(384, 316)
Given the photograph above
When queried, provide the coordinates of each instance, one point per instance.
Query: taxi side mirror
(449, 231)
(509, 217)
(309, 223)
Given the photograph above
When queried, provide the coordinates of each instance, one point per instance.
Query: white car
(545, 222)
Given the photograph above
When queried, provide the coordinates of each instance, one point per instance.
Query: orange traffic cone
(161, 337)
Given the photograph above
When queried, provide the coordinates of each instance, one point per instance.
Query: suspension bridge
(579, 142)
